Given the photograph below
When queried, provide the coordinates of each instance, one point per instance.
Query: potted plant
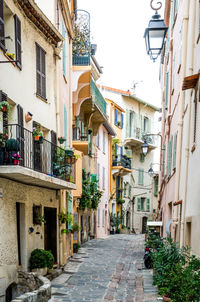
(118, 124)
(38, 262)
(4, 106)
(76, 247)
(49, 261)
(37, 134)
(120, 201)
(28, 117)
(16, 158)
(75, 227)
(61, 139)
(12, 147)
(112, 223)
(39, 219)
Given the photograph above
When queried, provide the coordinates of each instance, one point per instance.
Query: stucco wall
(13, 192)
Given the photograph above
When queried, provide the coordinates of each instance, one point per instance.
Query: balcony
(121, 165)
(81, 60)
(80, 140)
(35, 162)
(98, 98)
(134, 138)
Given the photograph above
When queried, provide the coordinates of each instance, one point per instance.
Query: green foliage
(49, 259)
(75, 227)
(120, 201)
(38, 259)
(65, 217)
(112, 220)
(117, 223)
(90, 194)
(12, 145)
(76, 247)
(177, 274)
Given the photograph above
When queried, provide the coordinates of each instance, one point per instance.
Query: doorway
(50, 231)
(144, 224)
(21, 236)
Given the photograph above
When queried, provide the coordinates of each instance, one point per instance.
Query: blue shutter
(65, 125)
(121, 150)
(122, 120)
(117, 187)
(115, 116)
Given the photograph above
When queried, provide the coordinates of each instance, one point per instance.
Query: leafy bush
(38, 259)
(76, 227)
(49, 259)
(41, 258)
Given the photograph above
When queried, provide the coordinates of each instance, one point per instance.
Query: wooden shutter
(127, 123)
(41, 71)
(169, 157)
(141, 177)
(156, 186)
(148, 205)
(2, 26)
(115, 116)
(138, 204)
(174, 151)
(122, 120)
(117, 187)
(90, 144)
(64, 50)
(18, 50)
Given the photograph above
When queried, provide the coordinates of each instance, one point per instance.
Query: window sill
(41, 98)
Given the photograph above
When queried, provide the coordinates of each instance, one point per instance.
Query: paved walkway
(108, 269)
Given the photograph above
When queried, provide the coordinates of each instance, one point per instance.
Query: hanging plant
(4, 106)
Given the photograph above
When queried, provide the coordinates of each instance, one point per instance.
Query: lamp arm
(158, 3)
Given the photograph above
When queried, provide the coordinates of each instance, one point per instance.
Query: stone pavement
(108, 269)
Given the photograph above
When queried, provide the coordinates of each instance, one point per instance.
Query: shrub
(49, 259)
(38, 259)
(76, 247)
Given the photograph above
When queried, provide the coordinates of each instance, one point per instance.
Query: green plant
(49, 259)
(3, 105)
(117, 223)
(3, 139)
(76, 227)
(37, 131)
(38, 259)
(40, 219)
(12, 145)
(118, 123)
(65, 217)
(120, 201)
(76, 247)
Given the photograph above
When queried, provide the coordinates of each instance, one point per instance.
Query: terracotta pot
(28, 117)
(36, 138)
(166, 299)
(4, 108)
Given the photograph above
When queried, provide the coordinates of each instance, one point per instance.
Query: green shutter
(90, 144)
(64, 50)
(69, 208)
(138, 204)
(82, 130)
(156, 186)
(169, 157)
(166, 90)
(163, 164)
(141, 177)
(174, 151)
(142, 157)
(148, 205)
(149, 125)
(65, 125)
(127, 123)
(172, 12)
(135, 124)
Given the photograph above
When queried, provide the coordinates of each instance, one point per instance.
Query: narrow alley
(108, 269)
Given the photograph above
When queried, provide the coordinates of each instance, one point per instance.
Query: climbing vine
(90, 194)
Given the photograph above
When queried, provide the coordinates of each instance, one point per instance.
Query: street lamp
(145, 148)
(151, 172)
(155, 34)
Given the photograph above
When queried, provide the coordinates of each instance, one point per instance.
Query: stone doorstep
(43, 294)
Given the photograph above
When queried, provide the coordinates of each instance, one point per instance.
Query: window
(104, 141)
(125, 189)
(18, 51)
(141, 177)
(104, 175)
(2, 26)
(146, 127)
(169, 156)
(99, 217)
(129, 191)
(118, 183)
(103, 217)
(41, 71)
(119, 119)
(148, 205)
(142, 203)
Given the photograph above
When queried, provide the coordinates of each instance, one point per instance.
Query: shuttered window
(166, 90)
(139, 204)
(115, 116)
(18, 50)
(98, 175)
(2, 26)
(103, 217)
(174, 151)
(156, 186)
(118, 181)
(127, 123)
(141, 177)
(90, 136)
(41, 71)
(148, 205)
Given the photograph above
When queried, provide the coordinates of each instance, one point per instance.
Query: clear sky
(117, 27)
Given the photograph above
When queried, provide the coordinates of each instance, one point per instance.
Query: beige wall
(28, 195)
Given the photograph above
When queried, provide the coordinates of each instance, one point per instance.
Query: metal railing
(81, 60)
(98, 98)
(21, 148)
(121, 160)
(137, 133)
(79, 135)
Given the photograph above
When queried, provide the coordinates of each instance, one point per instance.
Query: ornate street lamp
(151, 172)
(145, 148)
(155, 34)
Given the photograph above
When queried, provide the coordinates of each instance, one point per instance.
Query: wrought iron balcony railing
(137, 133)
(98, 98)
(121, 160)
(79, 135)
(19, 147)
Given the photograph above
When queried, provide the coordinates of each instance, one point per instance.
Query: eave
(37, 17)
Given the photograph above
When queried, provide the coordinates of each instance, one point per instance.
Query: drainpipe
(181, 110)
(70, 93)
(190, 60)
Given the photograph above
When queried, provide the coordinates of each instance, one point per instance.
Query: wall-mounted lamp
(155, 34)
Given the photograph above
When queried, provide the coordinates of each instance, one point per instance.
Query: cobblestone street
(108, 269)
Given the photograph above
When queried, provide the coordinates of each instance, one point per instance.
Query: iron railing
(80, 135)
(121, 160)
(98, 98)
(41, 156)
(81, 60)
(137, 133)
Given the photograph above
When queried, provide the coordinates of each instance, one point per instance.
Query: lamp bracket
(156, 8)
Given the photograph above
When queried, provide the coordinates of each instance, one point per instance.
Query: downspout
(181, 111)
(70, 93)
(190, 57)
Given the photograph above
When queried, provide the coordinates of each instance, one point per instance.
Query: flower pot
(36, 138)
(40, 271)
(4, 108)
(166, 299)
(28, 117)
